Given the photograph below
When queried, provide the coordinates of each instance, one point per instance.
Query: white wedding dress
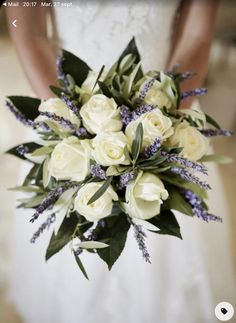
(188, 277)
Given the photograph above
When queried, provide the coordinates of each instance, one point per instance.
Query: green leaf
(55, 128)
(63, 236)
(26, 105)
(177, 202)
(131, 48)
(62, 206)
(101, 190)
(152, 163)
(98, 77)
(92, 245)
(32, 202)
(129, 81)
(127, 63)
(81, 266)
(111, 72)
(137, 142)
(30, 177)
(30, 146)
(167, 224)
(126, 153)
(27, 189)
(220, 159)
(210, 120)
(42, 151)
(56, 90)
(75, 67)
(105, 89)
(46, 173)
(178, 182)
(116, 240)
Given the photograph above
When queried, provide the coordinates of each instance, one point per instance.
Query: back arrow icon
(14, 23)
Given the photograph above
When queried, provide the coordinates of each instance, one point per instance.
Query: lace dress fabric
(184, 282)
(98, 31)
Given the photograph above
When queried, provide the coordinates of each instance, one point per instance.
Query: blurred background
(220, 103)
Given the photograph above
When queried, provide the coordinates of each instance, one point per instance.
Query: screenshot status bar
(37, 4)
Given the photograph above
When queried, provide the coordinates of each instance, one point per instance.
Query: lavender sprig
(62, 121)
(175, 158)
(78, 252)
(97, 171)
(187, 176)
(195, 92)
(93, 233)
(19, 116)
(70, 104)
(22, 150)
(49, 201)
(60, 73)
(143, 108)
(173, 70)
(125, 179)
(153, 148)
(198, 208)
(126, 115)
(45, 225)
(187, 76)
(146, 88)
(140, 236)
(216, 132)
(81, 132)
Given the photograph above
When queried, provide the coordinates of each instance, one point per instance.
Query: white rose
(70, 159)
(194, 144)
(99, 209)
(109, 148)
(162, 93)
(144, 196)
(101, 114)
(155, 124)
(57, 106)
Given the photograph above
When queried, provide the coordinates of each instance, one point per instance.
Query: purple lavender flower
(146, 87)
(19, 116)
(82, 132)
(125, 179)
(175, 158)
(186, 76)
(60, 73)
(51, 199)
(195, 92)
(62, 121)
(43, 126)
(45, 225)
(78, 252)
(70, 104)
(153, 148)
(22, 150)
(140, 236)
(173, 70)
(187, 176)
(126, 115)
(216, 132)
(97, 171)
(143, 108)
(198, 208)
(93, 233)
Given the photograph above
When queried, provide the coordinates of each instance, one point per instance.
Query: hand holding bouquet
(114, 151)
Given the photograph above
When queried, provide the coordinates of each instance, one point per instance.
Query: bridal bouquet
(114, 151)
